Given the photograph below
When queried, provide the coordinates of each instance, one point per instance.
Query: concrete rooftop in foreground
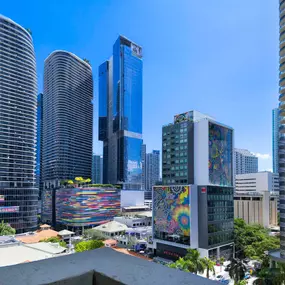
(102, 266)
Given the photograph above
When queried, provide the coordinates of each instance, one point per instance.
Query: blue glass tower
(120, 114)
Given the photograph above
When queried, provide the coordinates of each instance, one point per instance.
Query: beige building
(257, 208)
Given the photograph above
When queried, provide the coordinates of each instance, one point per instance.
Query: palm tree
(210, 266)
(193, 255)
(183, 265)
(236, 270)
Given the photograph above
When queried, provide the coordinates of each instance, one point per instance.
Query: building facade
(199, 215)
(281, 145)
(67, 118)
(275, 139)
(257, 208)
(80, 207)
(39, 143)
(97, 169)
(257, 182)
(18, 103)
(120, 115)
(245, 161)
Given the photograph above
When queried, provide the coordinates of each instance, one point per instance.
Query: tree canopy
(55, 240)
(88, 245)
(253, 240)
(6, 229)
(94, 234)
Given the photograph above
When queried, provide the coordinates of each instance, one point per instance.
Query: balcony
(103, 266)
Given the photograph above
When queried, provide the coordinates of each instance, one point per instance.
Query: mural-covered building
(197, 195)
(80, 206)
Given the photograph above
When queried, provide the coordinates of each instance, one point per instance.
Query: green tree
(210, 266)
(193, 255)
(94, 234)
(88, 245)
(183, 265)
(51, 239)
(236, 270)
(253, 240)
(55, 240)
(6, 229)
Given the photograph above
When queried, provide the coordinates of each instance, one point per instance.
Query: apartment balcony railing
(103, 266)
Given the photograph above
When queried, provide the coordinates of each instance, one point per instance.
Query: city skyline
(230, 86)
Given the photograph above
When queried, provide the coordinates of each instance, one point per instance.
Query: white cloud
(262, 156)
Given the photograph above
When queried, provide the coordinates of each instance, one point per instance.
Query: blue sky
(218, 57)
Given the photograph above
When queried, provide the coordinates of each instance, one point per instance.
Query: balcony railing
(103, 266)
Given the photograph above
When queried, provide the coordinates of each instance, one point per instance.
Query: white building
(245, 161)
(258, 182)
(135, 221)
(112, 229)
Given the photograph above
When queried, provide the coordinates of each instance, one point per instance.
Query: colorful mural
(171, 213)
(220, 155)
(47, 206)
(86, 206)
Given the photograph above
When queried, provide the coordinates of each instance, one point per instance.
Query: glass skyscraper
(275, 139)
(18, 103)
(67, 118)
(120, 115)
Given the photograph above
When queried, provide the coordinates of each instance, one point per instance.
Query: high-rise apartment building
(281, 148)
(18, 103)
(120, 115)
(275, 139)
(245, 161)
(97, 169)
(39, 143)
(67, 118)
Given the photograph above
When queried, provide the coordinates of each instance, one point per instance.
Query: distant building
(120, 115)
(245, 161)
(97, 169)
(80, 207)
(257, 182)
(151, 171)
(257, 208)
(275, 139)
(143, 151)
(67, 118)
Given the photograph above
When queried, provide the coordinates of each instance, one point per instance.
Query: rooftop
(102, 266)
(19, 253)
(33, 237)
(65, 233)
(111, 227)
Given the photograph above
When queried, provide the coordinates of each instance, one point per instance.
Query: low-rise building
(257, 208)
(134, 221)
(14, 252)
(112, 229)
(148, 203)
(80, 207)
